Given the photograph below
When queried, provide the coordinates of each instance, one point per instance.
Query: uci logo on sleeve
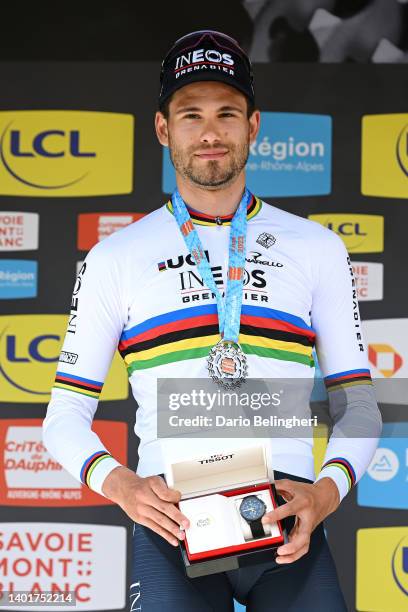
(360, 233)
(385, 156)
(30, 348)
(65, 153)
(382, 569)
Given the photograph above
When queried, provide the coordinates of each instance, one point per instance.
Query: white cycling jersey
(139, 291)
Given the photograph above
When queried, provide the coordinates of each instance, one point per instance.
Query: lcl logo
(29, 350)
(65, 153)
(33, 351)
(49, 143)
(347, 229)
(18, 146)
(360, 233)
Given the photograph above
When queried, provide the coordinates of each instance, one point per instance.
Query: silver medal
(227, 364)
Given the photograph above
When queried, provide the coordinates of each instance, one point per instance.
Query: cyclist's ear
(160, 124)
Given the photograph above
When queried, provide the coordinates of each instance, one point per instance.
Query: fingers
(281, 560)
(160, 530)
(296, 542)
(163, 499)
(299, 500)
(288, 509)
(299, 537)
(151, 503)
(162, 521)
(299, 542)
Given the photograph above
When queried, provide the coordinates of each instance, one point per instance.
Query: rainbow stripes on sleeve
(85, 386)
(345, 466)
(90, 464)
(349, 378)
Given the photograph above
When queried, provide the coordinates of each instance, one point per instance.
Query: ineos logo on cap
(203, 55)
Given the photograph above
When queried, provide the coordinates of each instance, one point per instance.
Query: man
(129, 297)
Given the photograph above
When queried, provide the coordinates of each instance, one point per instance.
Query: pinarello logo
(94, 227)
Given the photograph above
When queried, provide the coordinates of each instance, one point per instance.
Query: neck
(217, 202)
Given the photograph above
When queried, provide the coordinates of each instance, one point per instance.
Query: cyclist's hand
(310, 503)
(148, 501)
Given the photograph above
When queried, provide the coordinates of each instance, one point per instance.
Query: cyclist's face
(209, 133)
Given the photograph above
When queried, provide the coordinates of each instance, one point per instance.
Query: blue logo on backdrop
(18, 278)
(291, 157)
(385, 484)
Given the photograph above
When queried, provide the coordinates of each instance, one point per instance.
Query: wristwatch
(252, 509)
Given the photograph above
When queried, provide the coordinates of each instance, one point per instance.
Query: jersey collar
(200, 218)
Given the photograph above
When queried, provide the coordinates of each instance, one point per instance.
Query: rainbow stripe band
(190, 333)
(345, 466)
(349, 378)
(90, 464)
(199, 218)
(84, 386)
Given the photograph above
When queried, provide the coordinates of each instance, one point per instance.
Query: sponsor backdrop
(78, 161)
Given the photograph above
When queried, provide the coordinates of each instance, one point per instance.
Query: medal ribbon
(229, 311)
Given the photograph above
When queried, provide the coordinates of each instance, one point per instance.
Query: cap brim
(209, 76)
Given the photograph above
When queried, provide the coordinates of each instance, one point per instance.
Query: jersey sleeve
(97, 317)
(343, 360)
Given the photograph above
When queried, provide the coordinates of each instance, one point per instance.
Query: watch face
(252, 508)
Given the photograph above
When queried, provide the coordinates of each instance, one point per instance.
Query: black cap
(205, 55)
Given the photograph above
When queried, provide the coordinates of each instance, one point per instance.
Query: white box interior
(215, 522)
(209, 474)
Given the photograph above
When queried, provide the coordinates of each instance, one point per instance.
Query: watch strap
(257, 528)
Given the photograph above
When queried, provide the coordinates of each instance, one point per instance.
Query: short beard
(212, 177)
